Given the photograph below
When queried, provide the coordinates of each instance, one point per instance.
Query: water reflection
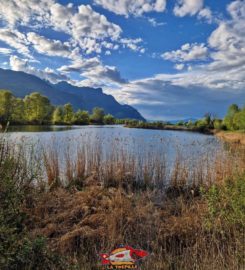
(115, 143)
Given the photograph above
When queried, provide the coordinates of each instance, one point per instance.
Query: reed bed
(186, 211)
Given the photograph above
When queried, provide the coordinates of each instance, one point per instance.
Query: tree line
(233, 120)
(37, 109)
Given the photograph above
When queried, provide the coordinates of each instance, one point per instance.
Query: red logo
(124, 257)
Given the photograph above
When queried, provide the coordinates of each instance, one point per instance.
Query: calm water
(110, 140)
(135, 141)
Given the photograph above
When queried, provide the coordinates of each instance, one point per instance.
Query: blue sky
(170, 59)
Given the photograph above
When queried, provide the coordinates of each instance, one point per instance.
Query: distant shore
(174, 128)
(237, 137)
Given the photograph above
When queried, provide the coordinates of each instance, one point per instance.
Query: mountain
(85, 98)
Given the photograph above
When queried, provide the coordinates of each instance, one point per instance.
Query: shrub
(226, 204)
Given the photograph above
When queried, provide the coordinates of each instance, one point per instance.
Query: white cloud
(191, 8)
(179, 66)
(213, 84)
(86, 27)
(88, 31)
(80, 65)
(94, 71)
(25, 11)
(129, 7)
(51, 47)
(19, 64)
(88, 23)
(206, 14)
(16, 40)
(228, 40)
(189, 94)
(188, 52)
(187, 7)
(132, 44)
(5, 51)
(155, 23)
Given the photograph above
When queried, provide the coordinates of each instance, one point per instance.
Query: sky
(170, 59)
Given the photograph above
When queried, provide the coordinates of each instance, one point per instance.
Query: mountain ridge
(85, 98)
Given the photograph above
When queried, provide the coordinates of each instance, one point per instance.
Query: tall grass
(188, 213)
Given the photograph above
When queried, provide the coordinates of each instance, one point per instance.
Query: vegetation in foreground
(57, 224)
(233, 121)
(37, 109)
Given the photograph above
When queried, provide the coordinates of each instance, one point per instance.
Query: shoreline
(176, 128)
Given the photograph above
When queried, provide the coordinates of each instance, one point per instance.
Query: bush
(226, 204)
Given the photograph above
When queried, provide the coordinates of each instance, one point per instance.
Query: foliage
(109, 119)
(226, 203)
(37, 108)
(239, 120)
(97, 116)
(68, 113)
(6, 99)
(58, 115)
(229, 118)
(218, 124)
(81, 118)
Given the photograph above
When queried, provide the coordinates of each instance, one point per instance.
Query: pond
(117, 143)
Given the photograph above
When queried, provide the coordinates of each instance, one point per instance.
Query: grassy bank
(195, 220)
(237, 137)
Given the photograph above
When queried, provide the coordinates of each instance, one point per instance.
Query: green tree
(68, 113)
(97, 116)
(6, 100)
(18, 110)
(239, 120)
(58, 115)
(218, 124)
(109, 119)
(81, 118)
(229, 118)
(37, 108)
(209, 120)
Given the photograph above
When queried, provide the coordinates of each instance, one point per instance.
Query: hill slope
(85, 98)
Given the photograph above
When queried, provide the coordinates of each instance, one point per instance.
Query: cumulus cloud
(206, 14)
(133, 44)
(187, 7)
(213, 84)
(191, 8)
(95, 72)
(103, 76)
(48, 74)
(228, 40)
(136, 7)
(188, 52)
(86, 28)
(51, 47)
(16, 40)
(25, 11)
(80, 65)
(184, 95)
